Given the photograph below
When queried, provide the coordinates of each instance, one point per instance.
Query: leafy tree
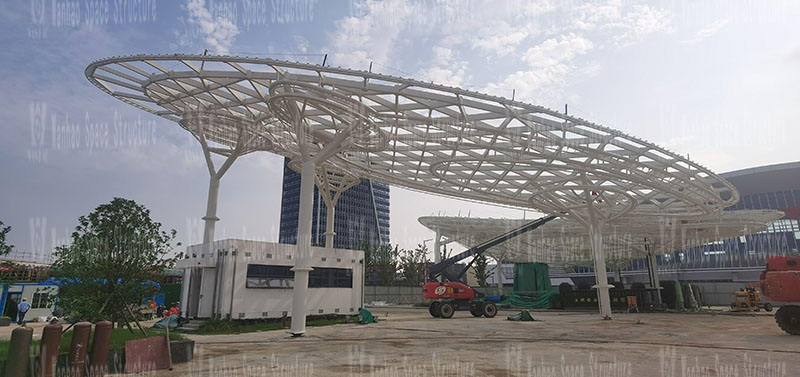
(115, 259)
(381, 261)
(6, 268)
(414, 264)
(4, 248)
(446, 253)
(480, 268)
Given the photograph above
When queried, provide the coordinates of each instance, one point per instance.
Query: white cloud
(446, 70)
(217, 32)
(557, 51)
(370, 36)
(590, 27)
(624, 23)
(551, 63)
(499, 38)
(301, 44)
(708, 31)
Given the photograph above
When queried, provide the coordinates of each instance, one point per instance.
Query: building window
(330, 278)
(265, 276)
(41, 300)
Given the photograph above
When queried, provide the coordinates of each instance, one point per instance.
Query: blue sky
(716, 80)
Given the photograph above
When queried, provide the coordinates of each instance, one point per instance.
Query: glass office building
(362, 213)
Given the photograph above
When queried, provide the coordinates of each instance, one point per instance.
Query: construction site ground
(408, 342)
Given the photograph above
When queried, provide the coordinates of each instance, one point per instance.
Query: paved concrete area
(408, 342)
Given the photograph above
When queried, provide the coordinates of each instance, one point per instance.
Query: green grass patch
(118, 339)
(226, 326)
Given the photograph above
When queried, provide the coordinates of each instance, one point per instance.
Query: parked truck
(781, 282)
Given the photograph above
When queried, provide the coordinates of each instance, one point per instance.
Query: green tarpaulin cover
(171, 321)
(539, 301)
(365, 316)
(531, 277)
(532, 287)
(522, 316)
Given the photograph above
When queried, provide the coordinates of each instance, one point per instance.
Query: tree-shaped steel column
(323, 123)
(331, 183)
(227, 136)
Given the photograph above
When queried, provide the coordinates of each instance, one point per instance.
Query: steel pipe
(302, 264)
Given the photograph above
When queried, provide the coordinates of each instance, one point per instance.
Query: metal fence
(399, 295)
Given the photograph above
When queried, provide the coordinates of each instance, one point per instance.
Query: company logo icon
(38, 122)
(38, 11)
(440, 290)
(38, 227)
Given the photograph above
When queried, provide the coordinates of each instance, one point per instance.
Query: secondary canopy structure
(427, 137)
(566, 242)
(563, 242)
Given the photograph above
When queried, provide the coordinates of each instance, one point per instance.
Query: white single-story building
(41, 296)
(242, 279)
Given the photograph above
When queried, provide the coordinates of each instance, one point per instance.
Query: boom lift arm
(441, 267)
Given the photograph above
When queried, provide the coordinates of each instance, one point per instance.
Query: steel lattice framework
(566, 243)
(424, 136)
(427, 137)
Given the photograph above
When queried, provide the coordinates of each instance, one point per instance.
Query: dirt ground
(408, 342)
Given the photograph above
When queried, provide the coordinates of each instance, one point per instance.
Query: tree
(382, 261)
(6, 268)
(480, 268)
(413, 264)
(4, 248)
(115, 259)
(499, 255)
(446, 252)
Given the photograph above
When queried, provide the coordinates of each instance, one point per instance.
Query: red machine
(781, 282)
(453, 295)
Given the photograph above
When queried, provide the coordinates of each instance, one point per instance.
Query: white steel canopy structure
(566, 243)
(423, 136)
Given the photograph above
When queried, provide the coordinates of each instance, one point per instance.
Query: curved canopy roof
(565, 242)
(427, 137)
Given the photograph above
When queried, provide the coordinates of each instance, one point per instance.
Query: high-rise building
(362, 213)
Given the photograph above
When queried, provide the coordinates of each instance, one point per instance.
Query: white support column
(302, 264)
(210, 219)
(437, 247)
(437, 251)
(187, 278)
(600, 273)
(329, 233)
(209, 227)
